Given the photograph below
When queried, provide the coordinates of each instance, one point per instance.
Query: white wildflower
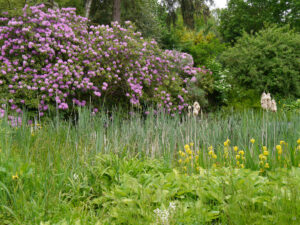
(75, 176)
(267, 103)
(196, 106)
(172, 206)
(273, 106)
(263, 101)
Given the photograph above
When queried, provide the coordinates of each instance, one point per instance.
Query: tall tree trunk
(117, 11)
(187, 11)
(88, 4)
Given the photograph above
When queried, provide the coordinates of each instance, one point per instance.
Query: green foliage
(251, 16)
(294, 105)
(267, 61)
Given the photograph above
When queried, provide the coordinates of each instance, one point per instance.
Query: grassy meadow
(227, 167)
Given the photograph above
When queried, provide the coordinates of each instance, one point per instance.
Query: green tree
(252, 15)
(266, 61)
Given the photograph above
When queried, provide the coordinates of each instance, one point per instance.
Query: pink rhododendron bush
(53, 60)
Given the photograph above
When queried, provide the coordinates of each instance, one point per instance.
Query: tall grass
(40, 167)
(153, 136)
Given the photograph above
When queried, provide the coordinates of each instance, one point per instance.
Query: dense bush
(53, 59)
(267, 61)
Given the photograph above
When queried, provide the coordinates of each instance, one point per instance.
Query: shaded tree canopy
(252, 15)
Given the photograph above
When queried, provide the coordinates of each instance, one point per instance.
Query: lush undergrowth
(107, 170)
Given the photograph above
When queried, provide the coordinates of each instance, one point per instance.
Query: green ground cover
(109, 170)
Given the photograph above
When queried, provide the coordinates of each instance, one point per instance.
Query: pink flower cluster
(52, 59)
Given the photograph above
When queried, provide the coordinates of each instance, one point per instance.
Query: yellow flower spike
(241, 152)
(237, 163)
(227, 142)
(237, 157)
(242, 166)
(260, 156)
(186, 147)
(180, 160)
(15, 177)
(279, 149)
(190, 157)
(214, 156)
(210, 148)
(298, 141)
(197, 157)
(235, 148)
(261, 162)
(191, 144)
(266, 153)
(267, 165)
(210, 152)
(264, 148)
(282, 142)
(252, 140)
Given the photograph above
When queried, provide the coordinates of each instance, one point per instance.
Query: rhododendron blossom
(52, 58)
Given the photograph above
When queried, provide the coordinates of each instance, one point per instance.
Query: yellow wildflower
(282, 142)
(235, 148)
(264, 148)
(237, 157)
(262, 157)
(210, 148)
(180, 160)
(298, 141)
(210, 153)
(238, 163)
(227, 142)
(243, 158)
(214, 156)
(189, 151)
(252, 140)
(197, 157)
(267, 165)
(241, 152)
(15, 177)
(191, 144)
(279, 149)
(266, 153)
(242, 166)
(261, 162)
(186, 147)
(215, 165)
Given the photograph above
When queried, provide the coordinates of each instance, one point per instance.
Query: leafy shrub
(267, 61)
(51, 59)
(201, 45)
